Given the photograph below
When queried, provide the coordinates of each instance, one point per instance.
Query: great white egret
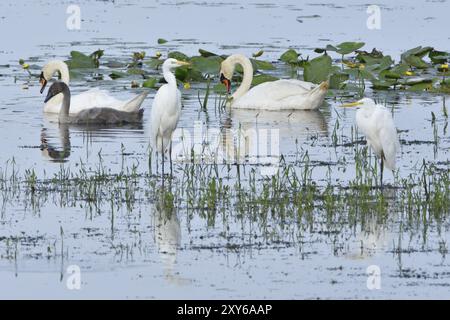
(93, 98)
(289, 94)
(166, 109)
(376, 123)
(89, 116)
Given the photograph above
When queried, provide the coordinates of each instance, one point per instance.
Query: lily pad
(209, 65)
(261, 78)
(415, 61)
(317, 69)
(206, 54)
(290, 56)
(79, 60)
(438, 56)
(162, 41)
(262, 65)
(178, 55)
(349, 47)
(117, 74)
(150, 83)
(337, 80)
(154, 63)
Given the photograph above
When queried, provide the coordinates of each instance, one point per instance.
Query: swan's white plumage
(93, 98)
(376, 123)
(288, 94)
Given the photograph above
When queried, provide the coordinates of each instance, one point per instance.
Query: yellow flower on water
(409, 73)
(25, 66)
(187, 86)
(361, 66)
(444, 66)
(158, 54)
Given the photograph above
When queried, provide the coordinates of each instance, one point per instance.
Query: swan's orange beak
(42, 81)
(226, 82)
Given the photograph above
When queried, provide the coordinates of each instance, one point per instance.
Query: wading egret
(166, 110)
(289, 94)
(94, 98)
(376, 123)
(94, 116)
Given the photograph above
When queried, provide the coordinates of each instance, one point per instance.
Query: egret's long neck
(248, 75)
(61, 67)
(65, 107)
(169, 77)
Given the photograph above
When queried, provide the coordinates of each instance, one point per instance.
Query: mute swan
(274, 95)
(94, 98)
(166, 109)
(92, 115)
(376, 123)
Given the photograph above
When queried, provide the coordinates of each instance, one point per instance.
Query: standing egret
(166, 110)
(376, 123)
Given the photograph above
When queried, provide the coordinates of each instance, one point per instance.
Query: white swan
(274, 95)
(94, 98)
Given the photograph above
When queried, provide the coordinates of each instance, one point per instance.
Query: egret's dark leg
(170, 158)
(162, 155)
(382, 168)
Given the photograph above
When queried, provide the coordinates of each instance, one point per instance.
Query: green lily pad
(135, 71)
(349, 47)
(416, 80)
(209, 65)
(162, 41)
(337, 80)
(117, 74)
(150, 83)
(262, 65)
(258, 54)
(206, 54)
(178, 55)
(79, 60)
(290, 56)
(421, 87)
(417, 51)
(439, 56)
(415, 61)
(261, 78)
(154, 63)
(317, 69)
(382, 84)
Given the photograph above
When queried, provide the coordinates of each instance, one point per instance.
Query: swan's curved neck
(248, 74)
(65, 107)
(61, 67)
(169, 77)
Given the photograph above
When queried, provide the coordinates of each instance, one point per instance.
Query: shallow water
(128, 245)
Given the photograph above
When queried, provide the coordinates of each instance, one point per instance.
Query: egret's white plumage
(376, 123)
(93, 98)
(166, 108)
(288, 94)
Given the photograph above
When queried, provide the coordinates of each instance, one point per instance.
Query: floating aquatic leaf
(416, 80)
(317, 69)
(261, 78)
(178, 55)
(79, 60)
(349, 47)
(329, 47)
(417, 51)
(290, 56)
(262, 65)
(207, 65)
(258, 54)
(135, 71)
(162, 41)
(206, 54)
(116, 75)
(115, 64)
(154, 63)
(150, 83)
(421, 86)
(382, 84)
(438, 56)
(337, 80)
(415, 61)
